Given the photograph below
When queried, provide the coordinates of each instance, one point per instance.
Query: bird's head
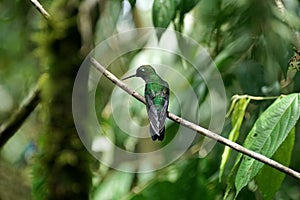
(143, 71)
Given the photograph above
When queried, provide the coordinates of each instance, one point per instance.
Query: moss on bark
(61, 170)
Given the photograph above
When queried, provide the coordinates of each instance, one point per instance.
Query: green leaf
(132, 3)
(267, 134)
(164, 188)
(269, 179)
(230, 179)
(186, 6)
(237, 120)
(115, 186)
(163, 12)
(232, 51)
(183, 7)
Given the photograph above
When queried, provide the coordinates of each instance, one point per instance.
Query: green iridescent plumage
(157, 100)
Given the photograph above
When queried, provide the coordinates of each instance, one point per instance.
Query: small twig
(9, 127)
(256, 98)
(237, 97)
(198, 128)
(40, 8)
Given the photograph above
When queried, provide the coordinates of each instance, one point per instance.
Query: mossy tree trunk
(62, 168)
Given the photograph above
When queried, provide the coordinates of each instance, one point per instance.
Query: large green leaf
(269, 179)
(163, 12)
(267, 134)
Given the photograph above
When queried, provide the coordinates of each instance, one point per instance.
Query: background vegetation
(254, 44)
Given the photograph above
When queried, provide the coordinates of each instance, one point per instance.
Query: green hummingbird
(157, 100)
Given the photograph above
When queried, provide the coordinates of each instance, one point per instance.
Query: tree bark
(61, 170)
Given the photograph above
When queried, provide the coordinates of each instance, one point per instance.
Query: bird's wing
(157, 113)
(164, 109)
(153, 116)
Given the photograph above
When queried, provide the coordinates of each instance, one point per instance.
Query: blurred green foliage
(18, 67)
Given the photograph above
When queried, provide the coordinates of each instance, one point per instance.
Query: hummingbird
(157, 100)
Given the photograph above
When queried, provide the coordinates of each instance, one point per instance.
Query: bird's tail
(160, 135)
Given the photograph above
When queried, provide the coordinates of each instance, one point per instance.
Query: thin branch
(256, 98)
(9, 128)
(40, 8)
(198, 128)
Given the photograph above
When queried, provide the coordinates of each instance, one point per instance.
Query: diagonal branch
(198, 128)
(40, 8)
(9, 127)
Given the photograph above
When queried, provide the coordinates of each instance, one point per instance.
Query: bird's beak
(128, 77)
